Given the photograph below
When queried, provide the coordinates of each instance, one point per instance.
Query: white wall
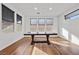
(7, 39)
(69, 29)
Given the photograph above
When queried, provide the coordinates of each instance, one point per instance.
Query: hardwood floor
(58, 46)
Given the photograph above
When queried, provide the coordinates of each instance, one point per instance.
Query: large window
(41, 24)
(7, 19)
(41, 21)
(73, 15)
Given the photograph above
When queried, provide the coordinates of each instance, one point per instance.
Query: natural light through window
(75, 39)
(65, 33)
(41, 21)
(75, 17)
(33, 21)
(41, 24)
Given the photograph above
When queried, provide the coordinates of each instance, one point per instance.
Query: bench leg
(48, 40)
(32, 39)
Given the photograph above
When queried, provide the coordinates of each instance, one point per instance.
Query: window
(33, 21)
(7, 14)
(73, 15)
(19, 23)
(41, 21)
(19, 19)
(41, 24)
(7, 19)
(49, 21)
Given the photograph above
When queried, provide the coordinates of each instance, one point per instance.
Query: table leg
(48, 39)
(32, 39)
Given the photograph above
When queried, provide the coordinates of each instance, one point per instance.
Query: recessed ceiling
(45, 9)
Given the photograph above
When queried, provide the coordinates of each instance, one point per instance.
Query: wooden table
(47, 36)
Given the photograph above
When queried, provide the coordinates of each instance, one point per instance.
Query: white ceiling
(27, 9)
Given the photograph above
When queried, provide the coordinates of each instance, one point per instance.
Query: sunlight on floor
(75, 39)
(65, 33)
(37, 51)
(19, 50)
(61, 43)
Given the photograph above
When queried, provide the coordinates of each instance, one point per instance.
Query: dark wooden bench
(47, 36)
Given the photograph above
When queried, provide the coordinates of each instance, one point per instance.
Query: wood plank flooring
(58, 46)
